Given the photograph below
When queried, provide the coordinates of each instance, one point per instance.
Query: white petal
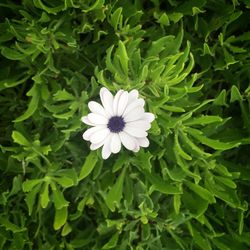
(115, 144)
(123, 100)
(99, 135)
(137, 148)
(134, 105)
(133, 95)
(142, 124)
(85, 120)
(116, 101)
(95, 146)
(107, 100)
(136, 132)
(97, 119)
(134, 115)
(106, 152)
(143, 142)
(96, 108)
(87, 134)
(148, 116)
(127, 140)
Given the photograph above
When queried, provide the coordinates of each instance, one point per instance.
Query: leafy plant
(189, 60)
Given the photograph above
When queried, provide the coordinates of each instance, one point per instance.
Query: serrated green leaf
(189, 144)
(31, 198)
(215, 144)
(179, 150)
(16, 185)
(10, 226)
(114, 195)
(63, 95)
(160, 185)
(20, 139)
(202, 192)
(28, 185)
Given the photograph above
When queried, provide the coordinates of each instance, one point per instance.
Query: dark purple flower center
(116, 124)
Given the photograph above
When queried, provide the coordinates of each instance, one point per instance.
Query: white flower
(119, 120)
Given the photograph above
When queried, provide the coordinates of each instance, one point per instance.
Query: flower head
(119, 120)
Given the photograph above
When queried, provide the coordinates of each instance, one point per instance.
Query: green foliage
(190, 62)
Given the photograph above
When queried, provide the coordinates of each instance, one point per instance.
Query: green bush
(189, 60)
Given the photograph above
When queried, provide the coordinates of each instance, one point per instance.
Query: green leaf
(28, 185)
(159, 45)
(12, 54)
(44, 196)
(193, 147)
(66, 177)
(143, 160)
(229, 58)
(220, 100)
(66, 229)
(50, 10)
(215, 144)
(164, 20)
(60, 217)
(203, 120)
(196, 205)
(88, 165)
(174, 108)
(97, 5)
(33, 104)
(59, 200)
(200, 241)
(161, 185)
(186, 8)
(202, 192)
(123, 57)
(20, 139)
(63, 95)
(175, 17)
(179, 150)
(177, 203)
(235, 94)
(226, 181)
(16, 185)
(120, 162)
(114, 195)
(64, 181)
(12, 82)
(112, 242)
(31, 198)
(116, 17)
(4, 222)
